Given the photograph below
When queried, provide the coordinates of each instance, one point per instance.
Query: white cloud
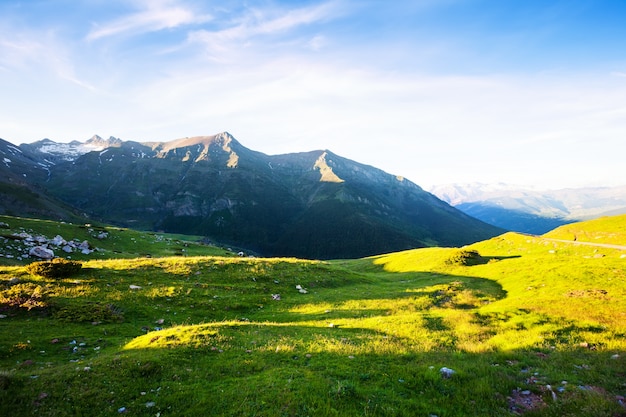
(264, 22)
(154, 16)
(39, 54)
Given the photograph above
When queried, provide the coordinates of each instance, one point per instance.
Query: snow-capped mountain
(51, 152)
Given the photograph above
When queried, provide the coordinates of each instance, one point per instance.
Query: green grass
(205, 334)
(608, 230)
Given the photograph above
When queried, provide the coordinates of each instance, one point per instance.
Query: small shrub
(465, 257)
(90, 312)
(29, 296)
(56, 268)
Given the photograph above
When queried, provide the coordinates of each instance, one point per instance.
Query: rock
(41, 252)
(84, 245)
(67, 249)
(134, 287)
(58, 241)
(3, 316)
(276, 297)
(102, 235)
(446, 372)
(4, 225)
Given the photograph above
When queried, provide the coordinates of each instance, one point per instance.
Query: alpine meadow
(151, 324)
(312, 208)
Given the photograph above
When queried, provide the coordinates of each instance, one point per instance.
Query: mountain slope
(19, 196)
(312, 204)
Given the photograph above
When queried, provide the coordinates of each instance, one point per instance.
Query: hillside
(19, 193)
(514, 325)
(605, 230)
(312, 204)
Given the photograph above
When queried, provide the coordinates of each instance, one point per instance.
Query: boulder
(41, 252)
(58, 241)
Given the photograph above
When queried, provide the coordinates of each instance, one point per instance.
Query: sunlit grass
(236, 336)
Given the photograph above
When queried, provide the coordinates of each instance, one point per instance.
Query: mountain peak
(327, 174)
(199, 148)
(98, 141)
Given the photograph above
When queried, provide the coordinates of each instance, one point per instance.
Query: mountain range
(312, 204)
(532, 211)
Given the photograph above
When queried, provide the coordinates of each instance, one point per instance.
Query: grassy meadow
(159, 325)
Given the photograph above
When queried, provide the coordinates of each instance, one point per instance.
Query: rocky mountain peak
(327, 174)
(98, 141)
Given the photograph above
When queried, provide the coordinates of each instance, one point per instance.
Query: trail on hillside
(576, 242)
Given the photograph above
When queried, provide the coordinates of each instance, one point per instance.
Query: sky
(527, 92)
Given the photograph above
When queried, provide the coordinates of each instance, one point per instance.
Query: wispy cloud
(153, 16)
(255, 22)
(40, 53)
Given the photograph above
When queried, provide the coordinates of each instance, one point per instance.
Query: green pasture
(155, 325)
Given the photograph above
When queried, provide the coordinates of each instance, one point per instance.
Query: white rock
(41, 252)
(134, 287)
(446, 372)
(58, 241)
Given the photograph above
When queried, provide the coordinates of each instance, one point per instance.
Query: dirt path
(576, 242)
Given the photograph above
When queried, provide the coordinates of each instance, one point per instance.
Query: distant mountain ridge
(532, 211)
(312, 204)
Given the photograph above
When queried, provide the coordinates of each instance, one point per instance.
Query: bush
(465, 258)
(56, 268)
(90, 312)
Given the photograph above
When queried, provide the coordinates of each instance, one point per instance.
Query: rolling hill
(513, 325)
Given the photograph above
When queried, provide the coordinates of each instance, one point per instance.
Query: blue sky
(439, 91)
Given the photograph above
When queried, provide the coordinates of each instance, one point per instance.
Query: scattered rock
(446, 372)
(4, 225)
(134, 287)
(41, 252)
(522, 401)
(276, 297)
